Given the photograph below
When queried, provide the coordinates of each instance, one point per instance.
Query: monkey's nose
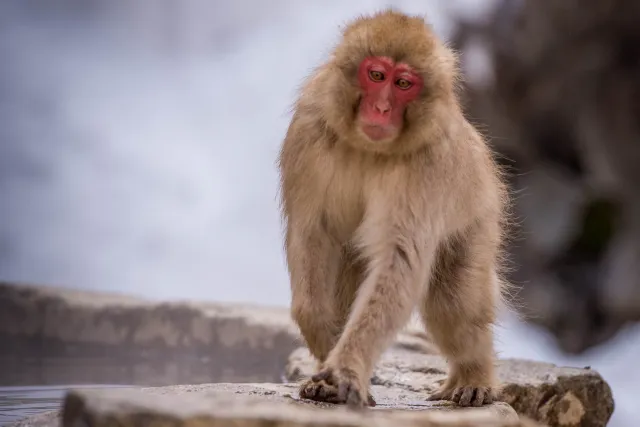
(382, 107)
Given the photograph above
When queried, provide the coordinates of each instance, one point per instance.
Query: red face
(387, 89)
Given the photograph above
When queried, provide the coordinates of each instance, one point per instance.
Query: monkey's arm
(312, 254)
(400, 257)
(312, 257)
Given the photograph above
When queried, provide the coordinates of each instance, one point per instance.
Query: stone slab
(553, 395)
(274, 405)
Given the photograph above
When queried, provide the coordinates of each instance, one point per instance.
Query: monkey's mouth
(377, 132)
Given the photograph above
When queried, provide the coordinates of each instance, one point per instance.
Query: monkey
(391, 201)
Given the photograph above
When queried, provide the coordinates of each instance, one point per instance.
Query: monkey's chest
(343, 206)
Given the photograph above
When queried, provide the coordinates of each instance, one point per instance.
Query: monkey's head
(391, 83)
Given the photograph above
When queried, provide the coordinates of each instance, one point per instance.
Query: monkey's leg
(382, 307)
(459, 311)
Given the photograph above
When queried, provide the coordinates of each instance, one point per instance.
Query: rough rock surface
(159, 343)
(556, 396)
(200, 342)
(260, 405)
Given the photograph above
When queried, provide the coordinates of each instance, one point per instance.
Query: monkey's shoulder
(458, 179)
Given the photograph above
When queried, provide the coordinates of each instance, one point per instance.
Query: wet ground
(31, 385)
(20, 402)
(34, 385)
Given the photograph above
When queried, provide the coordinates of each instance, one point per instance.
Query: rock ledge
(555, 396)
(274, 405)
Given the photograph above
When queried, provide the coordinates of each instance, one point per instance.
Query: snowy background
(138, 144)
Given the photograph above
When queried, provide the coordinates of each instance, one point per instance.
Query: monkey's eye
(376, 76)
(403, 84)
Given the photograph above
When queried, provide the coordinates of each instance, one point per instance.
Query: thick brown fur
(374, 230)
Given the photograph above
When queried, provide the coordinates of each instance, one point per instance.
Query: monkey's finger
(457, 395)
(309, 392)
(488, 397)
(467, 396)
(323, 393)
(302, 390)
(480, 396)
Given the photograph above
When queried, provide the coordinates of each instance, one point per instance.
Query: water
(20, 402)
(32, 384)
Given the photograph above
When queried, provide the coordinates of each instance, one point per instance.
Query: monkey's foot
(465, 395)
(336, 386)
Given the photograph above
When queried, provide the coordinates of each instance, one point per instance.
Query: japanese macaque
(392, 201)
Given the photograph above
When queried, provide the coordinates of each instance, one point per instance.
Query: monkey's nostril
(383, 108)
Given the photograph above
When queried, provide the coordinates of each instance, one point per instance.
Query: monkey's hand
(465, 395)
(339, 386)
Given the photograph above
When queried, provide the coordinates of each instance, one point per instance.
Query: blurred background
(138, 142)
